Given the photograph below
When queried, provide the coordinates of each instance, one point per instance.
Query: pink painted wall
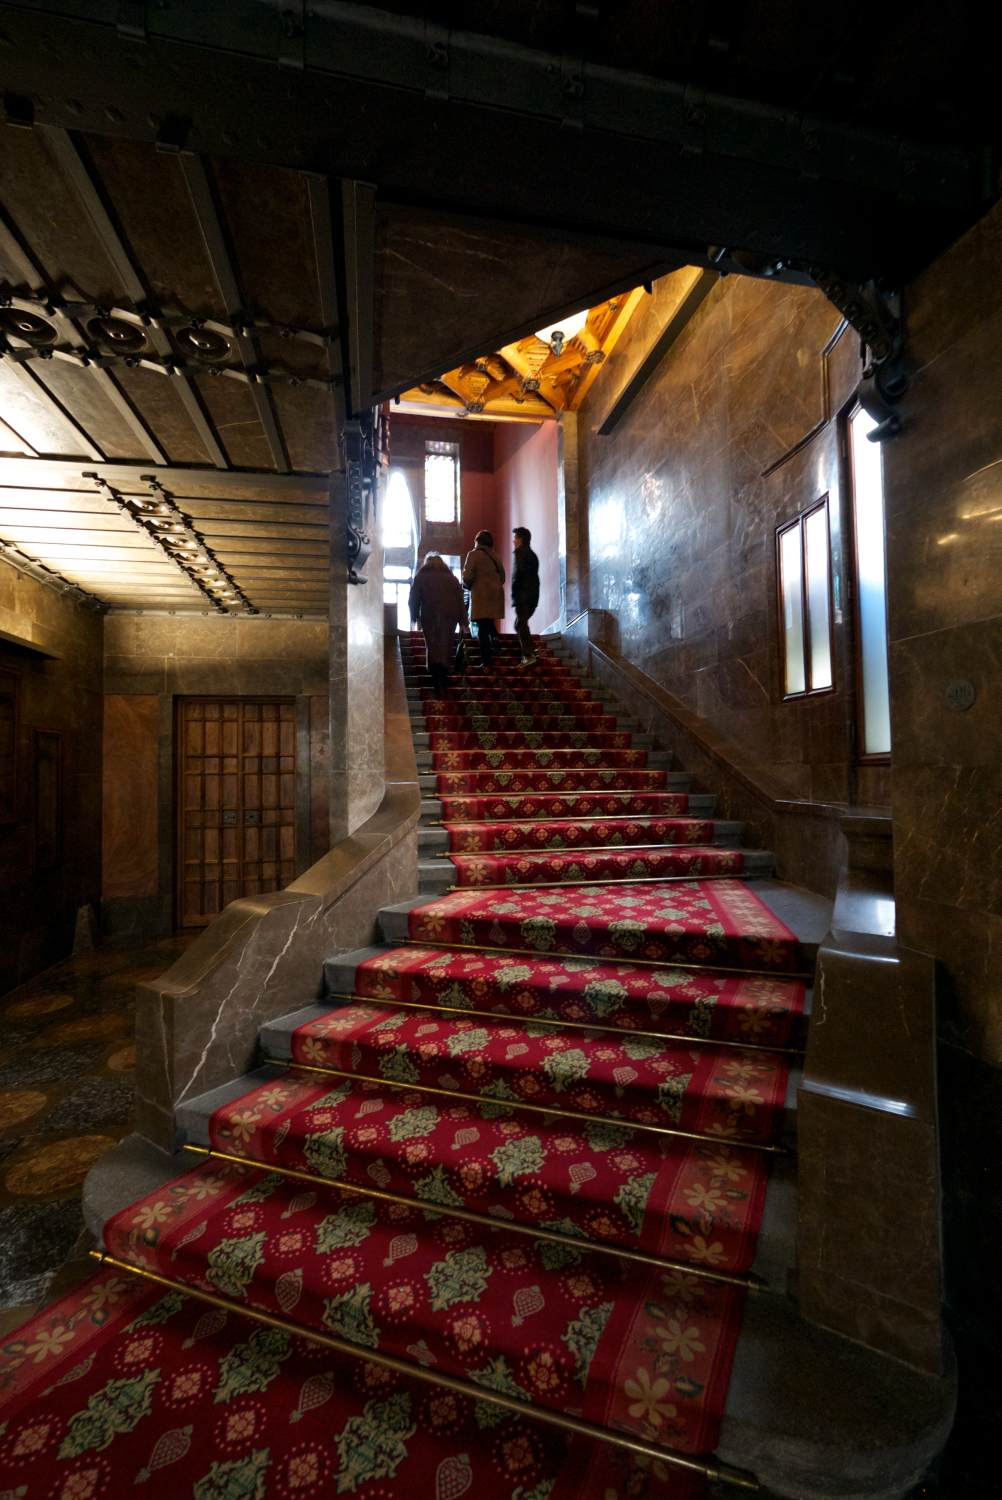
(476, 464)
(525, 475)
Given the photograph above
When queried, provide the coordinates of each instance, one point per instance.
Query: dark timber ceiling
(129, 273)
(859, 138)
(235, 221)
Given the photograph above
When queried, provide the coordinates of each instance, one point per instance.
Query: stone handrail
(869, 1202)
(197, 1024)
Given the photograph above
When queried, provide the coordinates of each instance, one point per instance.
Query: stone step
(700, 805)
(658, 1085)
(638, 741)
(472, 1164)
(726, 835)
(806, 914)
(527, 758)
(671, 781)
(535, 700)
(438, 875)
(882, 1423)
(602, 994)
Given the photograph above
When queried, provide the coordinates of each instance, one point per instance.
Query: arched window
(398, 514)
(399, 545)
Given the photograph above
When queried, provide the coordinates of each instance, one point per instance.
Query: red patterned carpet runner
(517, 1174)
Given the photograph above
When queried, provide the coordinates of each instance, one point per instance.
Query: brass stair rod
(622, 1032)
(648, 963)
(578, 1426)
(537, 885)
(543, 1109)
(471, 1216)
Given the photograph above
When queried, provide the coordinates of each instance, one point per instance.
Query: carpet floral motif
(573, 1055)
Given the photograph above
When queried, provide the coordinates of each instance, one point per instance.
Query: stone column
(356, 678)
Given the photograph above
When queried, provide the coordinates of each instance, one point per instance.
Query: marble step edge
(610, 706)
(439, 875)
(806, 914)
(638, 741)
(776, 1250)
(701, 805)
(415, 679)
(569, 671)
(340, 971)
(655, 760)
(812, 1415)
(726, 835)
(675, 781)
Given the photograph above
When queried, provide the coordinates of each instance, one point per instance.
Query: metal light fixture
(557, 334)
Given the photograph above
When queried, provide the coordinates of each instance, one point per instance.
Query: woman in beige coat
(484, 577)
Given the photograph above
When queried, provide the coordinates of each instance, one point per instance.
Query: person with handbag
(438, 606)
(484, 576)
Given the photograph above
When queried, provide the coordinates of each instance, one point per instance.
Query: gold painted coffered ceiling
(528, 380)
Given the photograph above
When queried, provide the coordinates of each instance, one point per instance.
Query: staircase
(489, 1219)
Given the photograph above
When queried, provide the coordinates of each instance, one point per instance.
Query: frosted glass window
(871, 584)
(441, 483)
(805, 601)
(816, 549)
(398, 513)
(792, 590)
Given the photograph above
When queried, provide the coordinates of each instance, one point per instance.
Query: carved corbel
(360, 446)
(876, 316)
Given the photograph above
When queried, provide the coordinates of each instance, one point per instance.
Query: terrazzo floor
(67, 1062)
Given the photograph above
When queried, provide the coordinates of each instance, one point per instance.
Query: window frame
(435, 447)
(861, 756)
(823, 503)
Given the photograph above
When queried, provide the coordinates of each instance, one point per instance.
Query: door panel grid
(236, 763)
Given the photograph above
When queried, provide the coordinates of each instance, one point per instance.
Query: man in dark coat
(524, 590)
(437, 604)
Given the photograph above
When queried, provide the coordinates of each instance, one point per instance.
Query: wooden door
(236, 803)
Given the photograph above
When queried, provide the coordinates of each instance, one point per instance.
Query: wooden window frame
(799, 521)
(861, 757)
(433, 447)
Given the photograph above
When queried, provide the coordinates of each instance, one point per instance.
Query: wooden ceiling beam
(179, 479)
(207, 218)
(627, 306)
(27, 267)
(668, 172)
(65, 154)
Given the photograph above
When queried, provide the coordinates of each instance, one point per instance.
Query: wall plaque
(960, 694)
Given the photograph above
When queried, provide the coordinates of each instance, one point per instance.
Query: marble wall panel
(804, 835)
(526, 475)
(154, 659)
(943, 479)
(733, 435)
(129, 841)
(61, 692)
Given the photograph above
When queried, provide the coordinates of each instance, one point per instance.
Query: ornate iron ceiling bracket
(876, 316)
(365, 451)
